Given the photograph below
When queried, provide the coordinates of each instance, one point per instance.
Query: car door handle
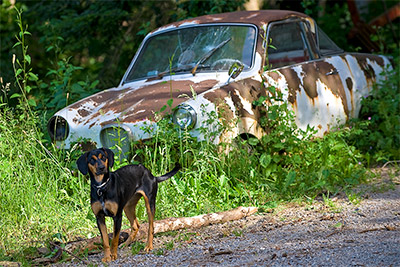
(332, 72)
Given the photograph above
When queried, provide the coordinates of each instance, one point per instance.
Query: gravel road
(362, 231)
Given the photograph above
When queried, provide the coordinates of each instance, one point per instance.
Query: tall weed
(38, 195)
(377, 132)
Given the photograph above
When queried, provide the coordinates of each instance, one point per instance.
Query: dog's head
(97, 162)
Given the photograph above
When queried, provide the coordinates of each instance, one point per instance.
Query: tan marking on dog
(112, 207)
(106, 244)
(96, 207)
(93, 168)
(149, 245)
(130, 212)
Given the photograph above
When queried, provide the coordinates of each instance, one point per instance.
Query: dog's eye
(92, 161)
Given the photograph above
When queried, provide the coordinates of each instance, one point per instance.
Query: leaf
(16, 44)
(253, 141)
(290, 178)
(33, 77)
(28, 59)
(32, 102)
(15, 95)
(272, 115)
(94, 84)
(265, 160)
(169, 102)
(76, 88)
(163, 108)
(18, 72)
(272, 89)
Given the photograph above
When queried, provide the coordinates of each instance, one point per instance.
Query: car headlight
(117, 138)
(185, 116)
(58, 128)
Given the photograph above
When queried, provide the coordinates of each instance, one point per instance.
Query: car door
(310, 83)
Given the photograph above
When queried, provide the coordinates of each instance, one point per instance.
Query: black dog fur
(114, 192)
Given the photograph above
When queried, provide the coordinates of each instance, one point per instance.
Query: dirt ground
(360, 230)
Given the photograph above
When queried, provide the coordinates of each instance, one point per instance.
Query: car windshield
(194, 49)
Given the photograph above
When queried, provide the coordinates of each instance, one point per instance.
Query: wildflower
(369, 118)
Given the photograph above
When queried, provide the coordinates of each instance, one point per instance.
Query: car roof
(259, 18)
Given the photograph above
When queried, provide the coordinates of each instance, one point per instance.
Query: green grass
(38, 195)
(41, 199)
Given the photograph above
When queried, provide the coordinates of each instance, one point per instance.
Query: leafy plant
(377, 131)
(23, 74)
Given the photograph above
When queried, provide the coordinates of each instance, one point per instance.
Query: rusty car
(223, 63)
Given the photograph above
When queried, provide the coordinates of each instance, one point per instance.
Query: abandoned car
(223, 63)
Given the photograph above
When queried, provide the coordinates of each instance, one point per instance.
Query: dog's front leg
(117, 229)
(101, 224)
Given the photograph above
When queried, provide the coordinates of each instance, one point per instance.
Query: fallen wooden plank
(166, 225)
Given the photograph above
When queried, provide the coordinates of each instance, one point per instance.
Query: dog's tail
(170, 174)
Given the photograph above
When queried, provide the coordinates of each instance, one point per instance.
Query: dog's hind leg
(130, 212)
(150, 207)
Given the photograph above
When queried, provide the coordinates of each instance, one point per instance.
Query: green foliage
(38, 195)
(43, 198)
(23, 75)
(293, 163)
(102, 36)
(311, 7)
(63, 89)
(377, 132)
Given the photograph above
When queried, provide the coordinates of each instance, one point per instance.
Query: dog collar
(101, 187)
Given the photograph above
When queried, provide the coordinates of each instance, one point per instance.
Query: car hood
(130, 103)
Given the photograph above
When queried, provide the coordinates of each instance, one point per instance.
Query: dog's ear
(82, 163)
(110, 156)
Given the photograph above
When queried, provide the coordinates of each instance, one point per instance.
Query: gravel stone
(331, 233)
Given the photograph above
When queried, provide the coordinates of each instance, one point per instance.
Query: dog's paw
(114, 257)
(148, 248)
(106, 259)
(107, 256)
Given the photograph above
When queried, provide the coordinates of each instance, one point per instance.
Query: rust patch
(131, 105)
(369, 72)
(247, 89)
(293, 81)
(319, 70)
(258, 18)
(83, 112)
(274, 75)
(349, 83)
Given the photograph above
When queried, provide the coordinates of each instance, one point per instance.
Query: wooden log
(93, 245)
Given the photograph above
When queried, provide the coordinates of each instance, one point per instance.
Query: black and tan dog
(114, 192)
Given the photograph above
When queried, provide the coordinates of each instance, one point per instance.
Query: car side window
(288, 42)
(326, 45)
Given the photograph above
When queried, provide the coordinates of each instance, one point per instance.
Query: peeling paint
(321, 92)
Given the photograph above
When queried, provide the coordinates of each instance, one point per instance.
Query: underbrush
(42, 197)
(38, 195)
